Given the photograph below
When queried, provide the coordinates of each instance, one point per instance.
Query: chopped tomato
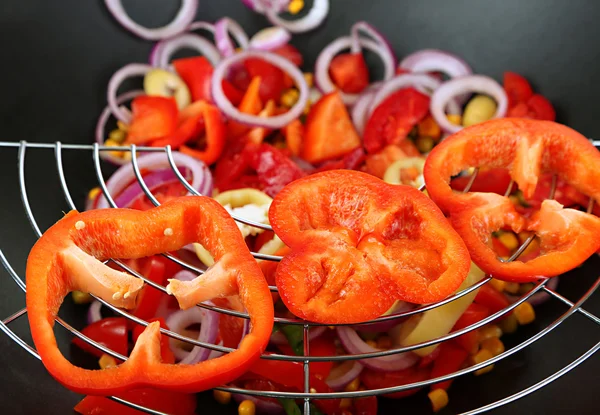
(394, 118)
(378, 380)
(291, 53)
(450, 359)
(272, 78)
(231, 328)
(351, 161)
(233, 94)
(517, 88)
(163, 193)
(110, 332)
(149, 297)
(321, 346)
(197, 73)
(493, 180)
(329, 132)
(365, 406)
(491, 298)
(152, 118)
(537, 107)
(474, 313)
(377, 163)
(349, 72)
(165, 348)
(273, 168)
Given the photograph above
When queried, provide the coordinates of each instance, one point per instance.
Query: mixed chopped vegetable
(331, 159)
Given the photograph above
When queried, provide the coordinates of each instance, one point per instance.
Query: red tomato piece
(197, 73)
(152, 118)
(365, 406)
(474, 313)
(450, 359)
(291, 53)
(273, 168)
(349, 72)
(517, 88)
(163, 193)
(272, 78)
(149, 297)
(491, 298)
(394, 118)
(377, 380)
(110, 332)
(494, 180)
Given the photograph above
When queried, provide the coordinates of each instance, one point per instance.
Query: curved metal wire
(306, 359)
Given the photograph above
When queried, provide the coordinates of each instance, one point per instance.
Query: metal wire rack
(306, 395)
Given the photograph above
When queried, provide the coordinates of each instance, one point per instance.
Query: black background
(57, 57)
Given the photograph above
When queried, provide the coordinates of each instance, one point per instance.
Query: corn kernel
(479, 109)
(524, 313)
(512, 287)
(455, 119)
(532, 247)
(295, 6)
(117, 135)
(480, 357)
(509, 324)
(430, 128)
(106, 361)
(81, 297)
(309, 78)
(489, 332)
(353, 386)
(247, 408)
(424, 144)
(494, 345)
(122, 126)
(509, 240)
(372, 343)
(525, 288)
(345, 403)
(111, 143)
(438, 398)
(384, 342)
(93, 193)
(222, 397)
(290, 97)
(497, 284)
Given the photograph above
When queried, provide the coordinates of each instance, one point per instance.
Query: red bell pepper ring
(214, 140)
(358, 244)
(529, 148)
(152, 118)
(488, 180)
(67, 257)
(166, 353)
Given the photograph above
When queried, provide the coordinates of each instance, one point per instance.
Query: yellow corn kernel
(222, 397)
(525, 288)
(509, 240)
(489, 332)
(455, 119)
(372, 343)
(512, 287)
(247, 408)
(122, 154)
(424, 144)
(479, 109)
(111, 143)
(309, 78)
(509, 324)
(353, 386)
(81, 297)
(497, 284)
(93, 193)
(290, 97)
(122, 126)
(384, 342)
(117, 135)
(533, 246)
(438, 398)
(345, 403)
(295, 6)
(524, 313)
(494, 345)
(482, 356)
(107, 361)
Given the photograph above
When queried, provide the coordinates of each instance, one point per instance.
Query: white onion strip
(201, 176)
(127, 71)
(467, 84)
(163, 51)
(322, 78)
(184, 17)
(269, 38)
(314, 18)
(232, 112)
(361, 106)
(372, 33)
(223, 28)
(209, 325)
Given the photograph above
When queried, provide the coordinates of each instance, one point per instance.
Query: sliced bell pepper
(166, 353)
(494, 180)
(377, 163)
(214, 140)
(329, 132)
(273, 168)
(473, 314)
(170, 402)
(149, 297)
(377, 380)
(153, 117)
(251, 104)
(537, 107)
(68, 257)
(491, 298)
(349, 72)
(351, 161)
(450, 359)
(394, 118)
(528, 148)
(110, 332)
(358, 244)
(517, 88)
(294, 135)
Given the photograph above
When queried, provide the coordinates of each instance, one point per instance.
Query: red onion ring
(263, 407)
(201, 25)
(538, 298)
(372, 33)
(184, 17)
(353, 344)
(260, 6)
(232, 112)
(343, 374)
(322, 78)
(314, 18)
(93, 314)
(103, 119)
(360, 107)
(121, 179)
(163, 50)
(209, 327)
(459, 86)
(434, 60)
(223, 28)
(152, 180)
(278, 338)
(269, 38)
(423, 82)
(127, 71)
(156, 52)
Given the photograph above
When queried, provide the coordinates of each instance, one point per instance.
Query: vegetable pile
(331, 160)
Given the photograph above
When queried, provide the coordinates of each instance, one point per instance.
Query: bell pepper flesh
(529, 148)
(152, 118)
(67, 257)
(345, 227)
